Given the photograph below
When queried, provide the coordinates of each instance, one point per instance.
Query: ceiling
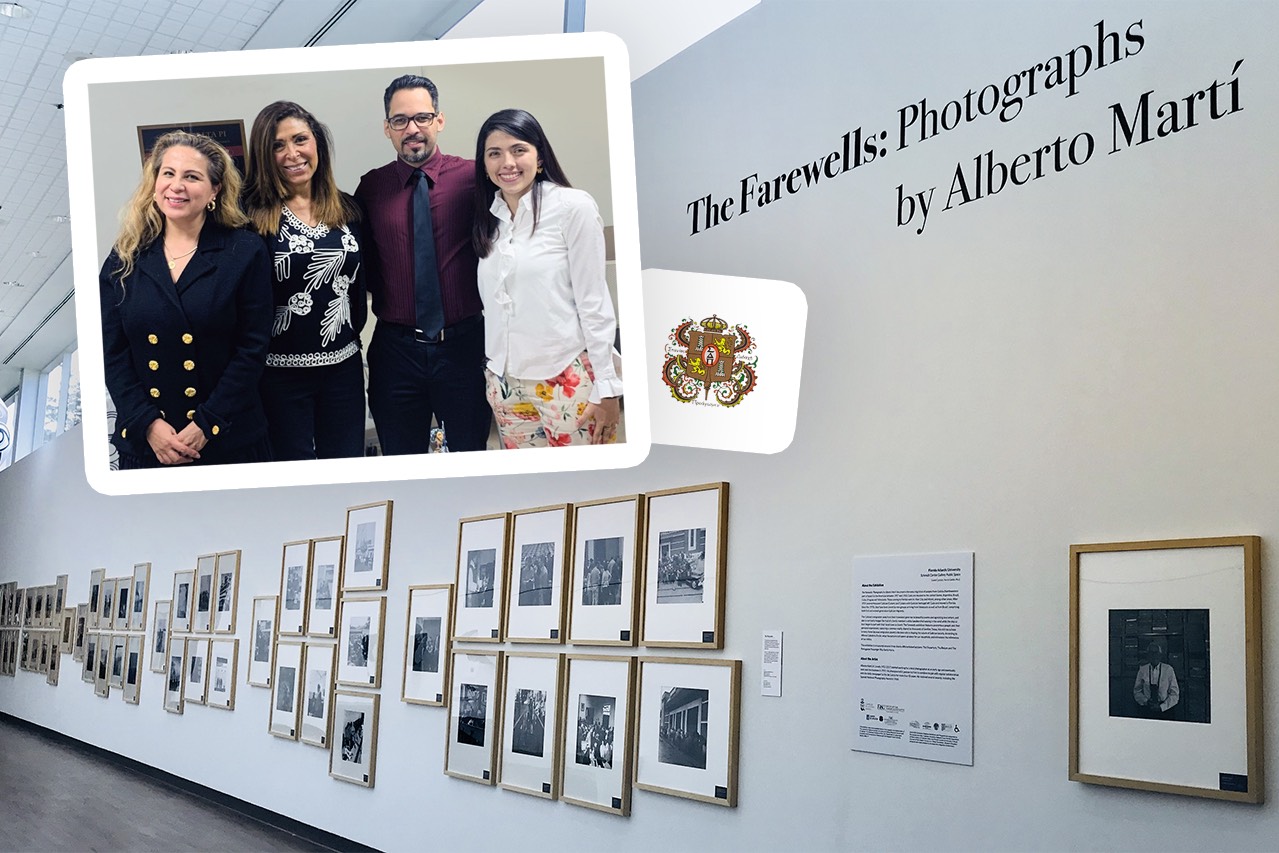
(37, 316)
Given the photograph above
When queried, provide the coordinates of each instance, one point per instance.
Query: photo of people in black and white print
(537, 568)
(353, 736)
(175, 673)
(472, 714)
(317, 696)
(682, 736)
(528, 730)
(426, 644)
(1160, 665)
(323, 587)
(285, 679)
(681, 566)
(602, 572)
(595, 726)
(221, 674)
(480, 566)
(364, 545)
(357, 647)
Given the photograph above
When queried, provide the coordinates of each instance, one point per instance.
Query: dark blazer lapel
(204, 262)
(153, 266)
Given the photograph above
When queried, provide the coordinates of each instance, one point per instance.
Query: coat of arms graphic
(709, 358)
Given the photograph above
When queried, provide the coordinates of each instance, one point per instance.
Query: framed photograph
(123, 603)
(603, 586)
(115, 674)
(96, 579)
(203, 593)
(226, 591)
(353, 755)
(285, 693)
(685, 533)
(427, 645)
(106, 614)
(173, 681)
(89, 672)
(229, 134)
(360, 641)
(262, 641)
(1165, 666)
(481, 578)
(102, 677)
(223, 655)
(532, 693)
(596, 765)
(160, 635)
(470, 746)
(535, 597)
(59, 599)
(51, 612)
(318, 663)
(80, 631)
(133, 668)
(26, 601)
(689, 723)
(293, 588)
(138, 597)
(196, 686)
(55, 659)
(368, 547)
(181, 619)
(326, 557)
(66, 638)
(37, 611)
(42, 662)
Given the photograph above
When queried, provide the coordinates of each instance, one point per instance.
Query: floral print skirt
(545, 412)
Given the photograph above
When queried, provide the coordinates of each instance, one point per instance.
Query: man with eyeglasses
(426, 358)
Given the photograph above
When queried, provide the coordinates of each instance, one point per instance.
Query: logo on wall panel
(711, 361)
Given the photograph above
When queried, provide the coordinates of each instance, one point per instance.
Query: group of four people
(232, 308)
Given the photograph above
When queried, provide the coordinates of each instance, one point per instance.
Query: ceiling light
(13, 10)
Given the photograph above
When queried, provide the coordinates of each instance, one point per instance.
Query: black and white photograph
(293, 587)
(224, 592)
(108, 599)
(602, 572)
(294, 576)
(224, 655)
(131, 674)
(685, 531)
(175, 673)
(364, 546)
(594, 734)
(317, 664)
(682, 732)
(537, 568)
(531, 723)
(357, 648)
(353, 753)
(324, 587)
(226, 585)
(352, 723)
(425, 675)
(262, 641)
(1160, 665)
(221, 674)
(261, 636)
(139, 596)
(286, 698)
(481, 565)
(122, 603)
(368, 544)
(426, 644)
(681, 566)
(182, 599)
(528, 729)
(90, 657)
(316, 694)
(117, 659)
(196, 675)
(94, 590)
(472, 714)
(286, 678)
(360, 641)
(141, 592)
(205, 594)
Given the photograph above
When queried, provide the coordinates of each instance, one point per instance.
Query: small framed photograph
(360, 641)
(689, 728)
(603, 588)
(106, 614)
(133, 669)
(1165, 666)
(535, 598)
(102, 678)
(353, 755)
(293, 588)
(262, 641)
(685, 533)
(182, 582)
(481, 578)
(596, 765)
(115, 676)
(80, 631)
(96, 579)
(90, 669)
(202, 612)
(318, 663)
(66, 638)
(532, 695)
(59, 598)
(226, 588)
(173, 681)
(368, 547)
(326, 557)
(196, 686)
(426, 640)
(141, 589)
(160, 635)
(123, 603)
(223, 656)
(470, 747)
(284, 695)
(37, 612)
(55, 659)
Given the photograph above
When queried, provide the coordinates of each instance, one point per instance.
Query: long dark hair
(523, 126)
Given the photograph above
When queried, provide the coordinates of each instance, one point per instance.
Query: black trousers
(315, 412)
(411, 380)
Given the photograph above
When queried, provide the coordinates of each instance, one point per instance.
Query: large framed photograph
(160, 635)
(96, 579)
(603, 588)
(535, 600)
(685, 534)
(262, 641)
(224, 654)
(294, 566)
(368, 547)
(173, 702)
(598, 701)
(285, 693)
(532, 698)
(470, 747)
(318, 663)
(203, 593)
(1165, 666)
(481, 578)
(689, 713)
(181, 618)
(427, 645)
(196, 685)
(133, 669)
(326, 557)
(360, 641)
(226, 591)
(353, 755)
(138, 597)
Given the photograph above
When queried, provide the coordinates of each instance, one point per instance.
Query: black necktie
(426, 273)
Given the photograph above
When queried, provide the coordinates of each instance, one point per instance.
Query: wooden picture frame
(66, 639)
(175, 676)
(102, 677)
(366, 559)
(362, 627)
(685, 556)
(115, 672)
(286, 687)
(203, 594)
(106, 614)
(605, 576)
(96, 578)
(326, 556)
(160, 634)
(595, 770)
(59, 599)
(353, 754)
(533, 699)
(224, 656)
(483, 543)
(37, 614)
(140, 591)
(319, 664)
(53, 665)
(226, 591)
(295, 565)
(535, 597)
(183, 601)
(88, 672)
(470, 738)
(427, 644)
(123, 603)
(80, 631)
(261, 666)
(133, 664)
(1165, 666)
(195, 682)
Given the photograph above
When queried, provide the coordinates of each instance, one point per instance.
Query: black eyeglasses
(398, 122)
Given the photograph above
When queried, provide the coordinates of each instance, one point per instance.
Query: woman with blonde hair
(186, 314)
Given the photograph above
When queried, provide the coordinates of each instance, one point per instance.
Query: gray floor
(58, 798)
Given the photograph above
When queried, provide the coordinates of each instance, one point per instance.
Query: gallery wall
(1086, 357)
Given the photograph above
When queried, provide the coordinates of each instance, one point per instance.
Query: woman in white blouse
(548, 320)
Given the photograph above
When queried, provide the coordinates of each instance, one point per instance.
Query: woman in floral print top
(313, 386)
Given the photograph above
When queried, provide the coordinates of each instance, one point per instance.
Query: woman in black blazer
(186, 314)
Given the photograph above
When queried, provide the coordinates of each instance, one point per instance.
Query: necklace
(173, 259)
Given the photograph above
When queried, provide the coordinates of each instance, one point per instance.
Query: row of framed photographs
(200, 670)
(31, 651)
(113, 660)
(583, 728)
(119, 604)
(204, 598)
(36, 607)
(609, 572)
